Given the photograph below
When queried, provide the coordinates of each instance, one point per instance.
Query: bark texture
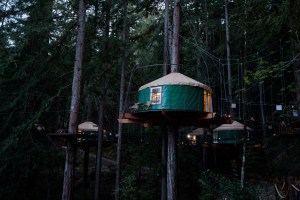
(73, 119)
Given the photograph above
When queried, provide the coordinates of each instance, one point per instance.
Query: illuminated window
(155, 95)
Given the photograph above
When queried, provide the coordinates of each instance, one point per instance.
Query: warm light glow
(155, 95)
(194, 137)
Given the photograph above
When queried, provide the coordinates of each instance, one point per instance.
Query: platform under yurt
(174, 98)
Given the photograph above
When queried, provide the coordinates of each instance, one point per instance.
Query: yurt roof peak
(88, 126)
(234, 126)
(175, 78)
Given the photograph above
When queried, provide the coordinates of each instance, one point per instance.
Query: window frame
(151, 95)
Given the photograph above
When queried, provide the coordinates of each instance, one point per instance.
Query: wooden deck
(180, 118)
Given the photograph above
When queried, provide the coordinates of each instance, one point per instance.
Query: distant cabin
(232, 133)
(174, 92)
(89, 129)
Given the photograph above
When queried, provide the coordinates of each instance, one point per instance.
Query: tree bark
(164, 154)
(244, 100)
(172, 163)
(106, 63)
(86, 165)
(73, 120)
(175, 39)
(172, 128)
(166, 38)
(121, 106)
(164, 157)
(99, 149)
(228, 59)
(293, 20)
(262, 110)
(204, 154)
(89, 102)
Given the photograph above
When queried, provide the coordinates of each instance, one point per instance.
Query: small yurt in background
(89, 129)
(174, 92)
(231, 133)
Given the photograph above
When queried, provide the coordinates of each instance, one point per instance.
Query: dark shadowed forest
(147, 100)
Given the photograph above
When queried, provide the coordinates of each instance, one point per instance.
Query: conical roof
(175, 78)
(198, 131)
(88, 126)
(229, 127)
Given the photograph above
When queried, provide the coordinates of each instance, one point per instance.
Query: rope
(280, 195)
(297, 189)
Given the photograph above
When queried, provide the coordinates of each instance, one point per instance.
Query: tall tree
(166, 38)
(67, 193)
(173, 129)
(175, 67)
(294, 26)
(102, 95)
(228, 59)
(121, 103)
(163, 127)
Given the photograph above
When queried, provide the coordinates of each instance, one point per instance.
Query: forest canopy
(37, 54)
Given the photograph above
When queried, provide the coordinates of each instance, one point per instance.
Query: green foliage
(215, 186)
(189, 166)
(140, 174)
(37, 55)
(128, 188)
(282, 156)
(29, 169)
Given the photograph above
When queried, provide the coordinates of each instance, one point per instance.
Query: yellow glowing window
(155, 95)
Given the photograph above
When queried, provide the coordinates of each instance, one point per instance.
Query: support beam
(171, 163)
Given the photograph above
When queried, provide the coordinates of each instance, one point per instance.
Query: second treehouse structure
(234, 133)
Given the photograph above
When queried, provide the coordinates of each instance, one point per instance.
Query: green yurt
(88, 128)
(230, 133)
(174, 92)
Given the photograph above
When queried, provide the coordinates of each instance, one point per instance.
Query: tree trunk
(164, 157)
(73, 120)
(262, 111)
(166, 38)
(198, 38)
(121, 106)
(89, 102)
(164, 154)
(293, 20)
(204, 154)
(172, 163)
(99, 149)
(228, 60)
(175, 39)
(244, 100)
(172, 128)
(86, 165)
(106, 63)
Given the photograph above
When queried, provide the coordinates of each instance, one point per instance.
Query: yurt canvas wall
(175, 92)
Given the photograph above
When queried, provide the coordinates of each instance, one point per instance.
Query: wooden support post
(214, 146)
(99, 149)
(204, 149)
(69, 170)
(86, 165)
(164, 156)
(172, 163)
